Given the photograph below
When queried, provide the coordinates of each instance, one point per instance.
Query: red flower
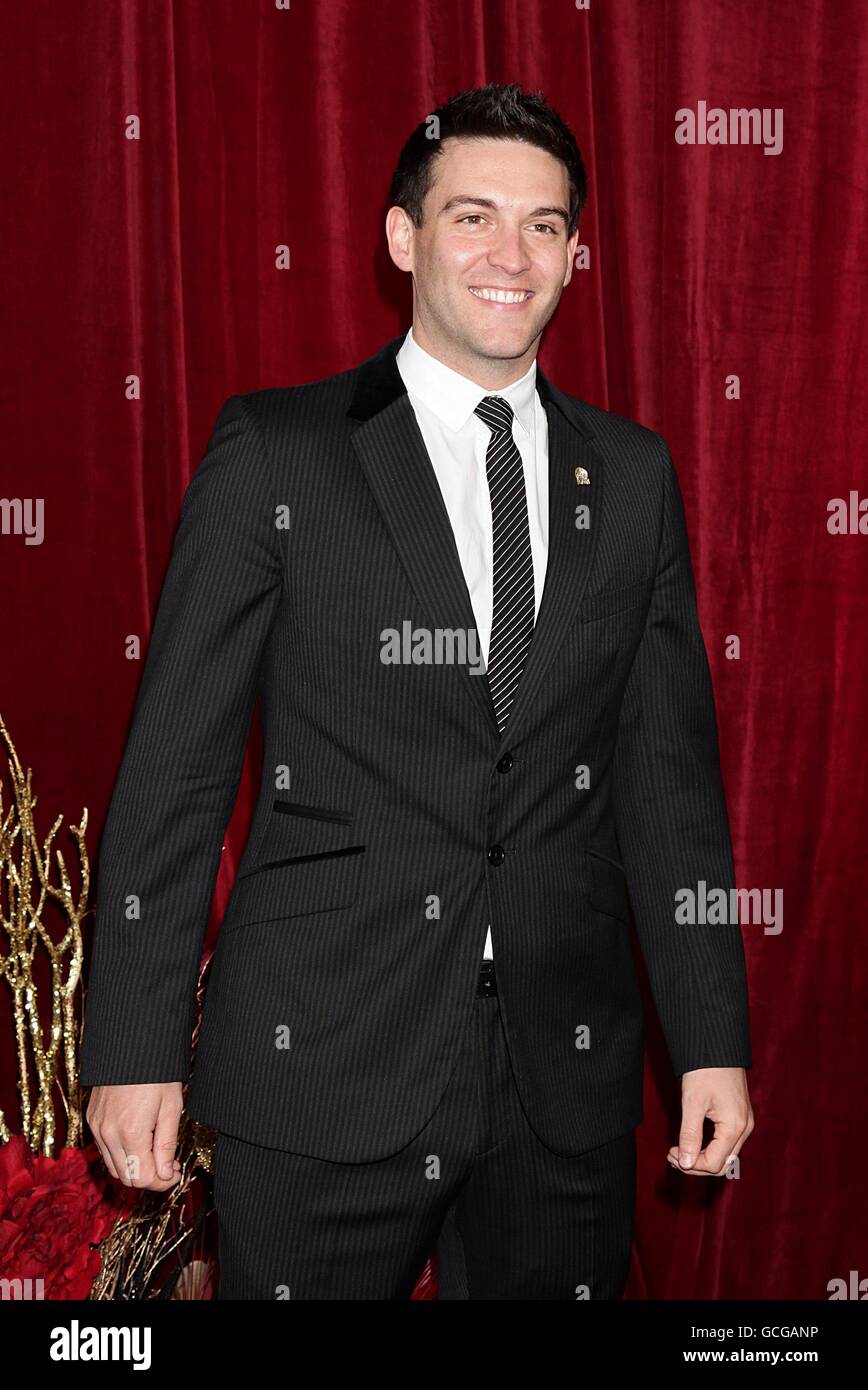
(53, 1212)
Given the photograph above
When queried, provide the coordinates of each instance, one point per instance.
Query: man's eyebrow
(463, 199)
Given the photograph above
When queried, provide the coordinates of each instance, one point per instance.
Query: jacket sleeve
(671, 818)
(179, 775)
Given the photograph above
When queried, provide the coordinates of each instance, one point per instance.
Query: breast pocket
(307, 860)
(607, 886)
(612, 601)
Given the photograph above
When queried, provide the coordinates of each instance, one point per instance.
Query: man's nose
(510, 252)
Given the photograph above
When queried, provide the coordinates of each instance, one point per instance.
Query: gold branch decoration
(26, 891)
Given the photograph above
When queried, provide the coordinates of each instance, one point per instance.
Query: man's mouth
(492, 295)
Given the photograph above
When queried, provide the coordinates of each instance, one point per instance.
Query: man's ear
(571, 256)
(399, 236)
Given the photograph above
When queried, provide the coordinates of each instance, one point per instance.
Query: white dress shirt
(457, 442)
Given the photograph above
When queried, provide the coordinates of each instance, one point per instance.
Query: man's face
(490, 224)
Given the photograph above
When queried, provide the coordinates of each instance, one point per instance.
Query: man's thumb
(689, 1140)
(165, 1142)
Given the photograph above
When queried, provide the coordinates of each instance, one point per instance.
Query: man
(465, 603)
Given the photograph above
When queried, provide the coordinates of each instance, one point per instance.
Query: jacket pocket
(612, 601)
(607, 885)
(307, 859)
(298, 808)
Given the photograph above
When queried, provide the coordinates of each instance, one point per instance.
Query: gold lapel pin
(582, 476)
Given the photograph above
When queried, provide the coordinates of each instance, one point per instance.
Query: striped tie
(512, 616)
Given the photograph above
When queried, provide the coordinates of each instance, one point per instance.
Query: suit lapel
(392, 453)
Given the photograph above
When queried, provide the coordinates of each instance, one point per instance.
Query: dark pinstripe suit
(342, 988)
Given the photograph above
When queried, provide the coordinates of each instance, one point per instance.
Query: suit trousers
(517, 1220)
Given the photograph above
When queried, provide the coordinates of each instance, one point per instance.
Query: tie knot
(496, 414)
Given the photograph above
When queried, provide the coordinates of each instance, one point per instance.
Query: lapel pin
(582, 476)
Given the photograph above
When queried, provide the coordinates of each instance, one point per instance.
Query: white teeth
(501, 296)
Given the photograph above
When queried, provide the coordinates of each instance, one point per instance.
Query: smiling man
(488, 265)
(423, 1018)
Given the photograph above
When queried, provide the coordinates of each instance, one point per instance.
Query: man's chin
(502, 343)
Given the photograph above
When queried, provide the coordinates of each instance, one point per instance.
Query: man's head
(491, 205)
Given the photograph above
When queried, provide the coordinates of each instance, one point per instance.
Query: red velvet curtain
(259, 126)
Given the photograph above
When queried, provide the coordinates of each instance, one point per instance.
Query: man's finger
(714, 1158)
(116, 1157)
(107, 1156)
(139, 1158)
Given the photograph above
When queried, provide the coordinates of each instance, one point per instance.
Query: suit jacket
(393, 820)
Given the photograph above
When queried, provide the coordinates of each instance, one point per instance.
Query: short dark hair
(500, 112)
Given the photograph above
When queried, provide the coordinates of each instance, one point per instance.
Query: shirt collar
(453, 397)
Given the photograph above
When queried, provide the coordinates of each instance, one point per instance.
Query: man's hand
(720, 1093)
(136, 1130)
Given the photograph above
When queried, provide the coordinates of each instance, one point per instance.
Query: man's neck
(495, 374)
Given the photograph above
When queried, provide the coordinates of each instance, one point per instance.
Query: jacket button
(505, 763)
(496, 854)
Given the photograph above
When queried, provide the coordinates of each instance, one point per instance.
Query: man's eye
(477, 217)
